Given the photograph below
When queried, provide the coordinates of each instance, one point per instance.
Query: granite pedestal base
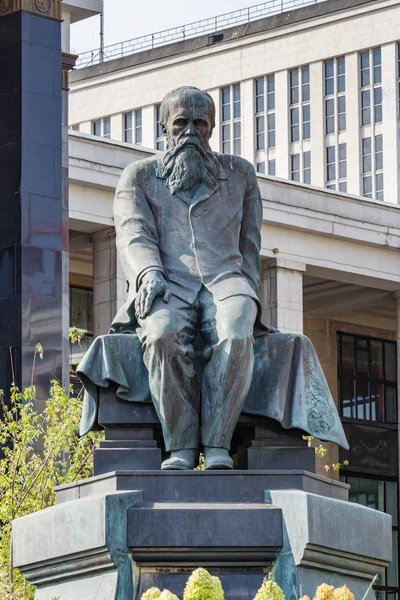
(113, 536)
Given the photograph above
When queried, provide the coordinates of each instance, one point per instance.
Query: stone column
(109, 283)
(281, 294)
(33, 220)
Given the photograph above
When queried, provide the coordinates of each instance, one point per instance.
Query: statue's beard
(187, 164)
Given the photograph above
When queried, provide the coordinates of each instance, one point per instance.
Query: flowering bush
(203, 586)
(269, 590)
(156, 594)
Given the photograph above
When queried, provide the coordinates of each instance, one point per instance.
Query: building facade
(311, 97)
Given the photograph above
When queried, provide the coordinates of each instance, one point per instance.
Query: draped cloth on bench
(288, 383)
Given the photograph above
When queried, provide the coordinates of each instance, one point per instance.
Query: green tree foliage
(40, 451)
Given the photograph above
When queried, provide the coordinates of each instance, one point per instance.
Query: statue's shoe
(217, 458)
(180, 460)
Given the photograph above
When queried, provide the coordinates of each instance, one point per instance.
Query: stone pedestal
(114, 536)
(133, 440)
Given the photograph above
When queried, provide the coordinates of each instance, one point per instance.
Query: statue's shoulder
(141, 170)
(233, 163)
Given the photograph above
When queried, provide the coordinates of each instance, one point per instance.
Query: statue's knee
(235, 332)
(160, 331)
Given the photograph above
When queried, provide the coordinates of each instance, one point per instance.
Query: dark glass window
(367, 378)
(380, 494)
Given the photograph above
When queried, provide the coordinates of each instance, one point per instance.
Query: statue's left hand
(153, 284)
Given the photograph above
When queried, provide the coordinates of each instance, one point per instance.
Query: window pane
(329, 68)
(295, 133)
(271, 83)
(347, 398)
(330, 108)
(329, 87)
(128, 120)
(307, 176)
(271, 139)
(342, 152)
(138, 118)
(342, 169)
(330, 154)
(260, 167)
(390, 405)
(260, 87)
(306, 131)
(226, 95)
(306, 93)
(96, 127)
(343, 186)
(342, 122)
(377, 359)
(362, 399)
(347, 364)
(391, 501)
(392, 574)
(364, 60)
(390, 361)
(307, 160)
(295, 162)
(128, 136)
(236, 110)
(236, 92)
(376, 402)
(272, 167)
(294, 77)
(306, 112)
(379, 182)
(226, 112)
(107, 127)
(366, 162)
(331, 173)
(236, 130)
(259, 104)
(330, 125)
(362, 361)
(367, 186)
(226, 133)
(294, 116)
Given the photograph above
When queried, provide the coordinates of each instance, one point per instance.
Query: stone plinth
(113, 536)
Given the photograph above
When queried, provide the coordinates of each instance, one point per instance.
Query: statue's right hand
(153, 284)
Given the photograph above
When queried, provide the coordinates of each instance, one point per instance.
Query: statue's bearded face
(188, 160)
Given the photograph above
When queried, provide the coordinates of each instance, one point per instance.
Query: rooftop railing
(184, 32)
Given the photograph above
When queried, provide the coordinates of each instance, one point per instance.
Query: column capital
(45, 8)
(67, 64)
(284, 263)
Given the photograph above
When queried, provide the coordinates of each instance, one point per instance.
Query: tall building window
(372, 167)
(265, 124)
(159, 131)
(102, 127)
(335, 95)
(138, 126)
(300, 112)
(133, 127)
(367, 378)
(371, 86)
(300, 167)
(231, 126)
(380, 494)
(336, 167)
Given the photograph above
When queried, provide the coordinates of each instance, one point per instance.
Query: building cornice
(45, 8)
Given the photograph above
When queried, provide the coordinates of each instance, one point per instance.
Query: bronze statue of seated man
(188, 237)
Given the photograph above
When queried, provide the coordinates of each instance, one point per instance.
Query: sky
(127, 19)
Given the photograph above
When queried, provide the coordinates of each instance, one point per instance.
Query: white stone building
(309, 95)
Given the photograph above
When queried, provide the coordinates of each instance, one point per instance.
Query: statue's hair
(164, 108)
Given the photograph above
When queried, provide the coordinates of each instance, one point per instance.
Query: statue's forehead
(188, 103)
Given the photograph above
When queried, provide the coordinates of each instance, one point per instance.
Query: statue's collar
(221, 173)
